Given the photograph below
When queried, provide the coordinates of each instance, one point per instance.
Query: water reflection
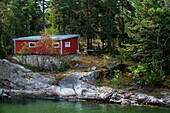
(47, 106)
(16, 101)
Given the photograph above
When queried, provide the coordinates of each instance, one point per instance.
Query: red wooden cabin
(64, 44)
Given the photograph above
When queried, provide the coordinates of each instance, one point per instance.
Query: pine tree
(149, 31)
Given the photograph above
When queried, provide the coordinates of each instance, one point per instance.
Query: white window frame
(56, 43)
(67, 44)
(32, 43)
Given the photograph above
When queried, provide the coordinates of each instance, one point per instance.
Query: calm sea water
(48, 106)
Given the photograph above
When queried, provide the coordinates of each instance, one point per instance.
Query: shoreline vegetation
(17, 81)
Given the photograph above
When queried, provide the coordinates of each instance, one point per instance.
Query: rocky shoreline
(16, 81)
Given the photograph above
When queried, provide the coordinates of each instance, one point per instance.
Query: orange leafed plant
(45, 45)
(25, 49)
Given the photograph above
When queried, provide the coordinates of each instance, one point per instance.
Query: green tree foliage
(149, 33)
(90, 18)
(18, 18)
(51, 22)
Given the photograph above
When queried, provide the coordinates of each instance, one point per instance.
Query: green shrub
(2, 53)
(116, 78)
(145, 75)
(9, 49)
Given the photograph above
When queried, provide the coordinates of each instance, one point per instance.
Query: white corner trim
(78, 45)
(61, 47)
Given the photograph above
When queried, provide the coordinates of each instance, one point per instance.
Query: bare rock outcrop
(15, 80)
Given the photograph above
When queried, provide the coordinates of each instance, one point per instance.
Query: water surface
(48, 106)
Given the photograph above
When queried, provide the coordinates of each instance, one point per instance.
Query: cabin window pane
(67, 44)
(56, 44)
(32, 44)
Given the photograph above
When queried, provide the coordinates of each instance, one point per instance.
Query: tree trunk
(109, 31)
(13, 36)
(74, 22)
(122, 24)
(88, 31)
(59, 26)
(63, 24)
(4, 36)
(43, 22)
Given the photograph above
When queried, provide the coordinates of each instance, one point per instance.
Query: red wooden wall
(74, 46)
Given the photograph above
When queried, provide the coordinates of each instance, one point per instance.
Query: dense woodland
(132, 30)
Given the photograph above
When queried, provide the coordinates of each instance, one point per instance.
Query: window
(32, 44)
(56, 44)
(67, 44)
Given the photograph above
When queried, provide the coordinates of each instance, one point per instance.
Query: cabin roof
(54, 37)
